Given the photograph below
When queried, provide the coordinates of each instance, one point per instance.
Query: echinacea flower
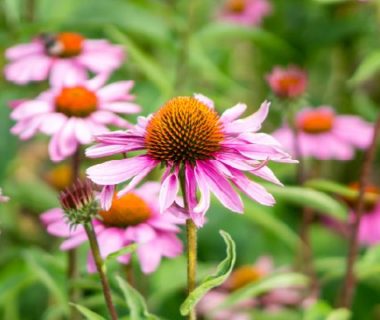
(368, 233)
(57, 55)
(324, 135)
(198, 145)
(290, 82)
(133, 218)
(2, 197)
(273, 300)
(73, 112)
(246, 12)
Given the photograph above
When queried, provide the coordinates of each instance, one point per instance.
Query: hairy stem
(350, 280)
(191, 236)
(72, 268)
(101, 269)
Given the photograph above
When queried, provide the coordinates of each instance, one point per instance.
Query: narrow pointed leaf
(135, 302)
(339, 314)
(222, 272)
(123, 251)
(307, 197)
(88, 314)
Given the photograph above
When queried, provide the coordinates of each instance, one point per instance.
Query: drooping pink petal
(169, 190)
(106, 197)
(220, 186)
(149, 257)
(233, 113)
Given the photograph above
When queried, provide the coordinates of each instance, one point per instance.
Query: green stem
(101, 269)
(191, 236)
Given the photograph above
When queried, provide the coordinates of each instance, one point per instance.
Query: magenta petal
(106, 197)
(117, 171)
(169, 190)
(52, 215)
(220, 186)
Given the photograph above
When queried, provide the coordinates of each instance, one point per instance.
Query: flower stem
(72, 268)
(101, 269)
(350, 279)
(191, 236)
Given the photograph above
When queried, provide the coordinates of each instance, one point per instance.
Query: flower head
(288, 82)
(241, 277)
(370, 219)
(133, 218)
(56, 55)
(324, 135)
(79, 203)
(246, 12)
(2, 197)
(73, 111)
(196, 144)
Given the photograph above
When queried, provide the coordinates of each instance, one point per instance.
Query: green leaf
(339, 189)
(220, 31)
(223, 271)
(274, 281)
(265, 218)
(146, 64)
(369, 66)
(90, 315)
(125, 250)
(330, 1)
(310, 198)
(136, 303)
(339, 314)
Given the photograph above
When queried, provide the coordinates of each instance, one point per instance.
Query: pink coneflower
(246, 12)
(290, 82)
(2, 197)
(55, 55)
(133, 218)
(72, 112)
(198, 147)
(324, 135)
(274, 300)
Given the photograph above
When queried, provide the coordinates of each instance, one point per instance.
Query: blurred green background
(177, 48)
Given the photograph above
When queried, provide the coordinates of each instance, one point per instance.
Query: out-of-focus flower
(290, 82)
(57, 55)
(246, 12)
(133, 218)
(60, 176)
(192, 141)
(274, 300)
(3, 198)
(370, 221)
(73, 112)
(324, 135)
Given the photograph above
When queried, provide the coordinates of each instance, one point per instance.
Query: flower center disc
(184, 129)
(286, 82)
(129, 210)
(76, 102)
(317, 122)
(236, 6)
(243, 276)
(64, 44)
(371, 197)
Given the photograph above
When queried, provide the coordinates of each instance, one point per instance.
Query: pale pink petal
(52, 215)
(233, 113)
(205, 100)
(106, 197)
(121, 107)
(149, 257)
(115, 91)
(23, 50)
(74, 241)
(82, 131)
(53, 123)
(30, 108)
(141, 233)
(66, 72)
(170, 245)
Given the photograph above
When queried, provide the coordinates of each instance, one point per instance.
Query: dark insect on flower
(79, 203)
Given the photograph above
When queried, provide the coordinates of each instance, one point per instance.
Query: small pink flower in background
(324, 135)
(187, 134)
(134, 218)
(246, 12)
(3, 198)
(272, 301)
(73, 111)
(57, 55)
(290, 82)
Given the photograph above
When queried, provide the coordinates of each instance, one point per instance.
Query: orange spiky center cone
(317, 122)
(129, 210)
(243, 276)
(76, 102)
(236, 6)
(183, 130)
